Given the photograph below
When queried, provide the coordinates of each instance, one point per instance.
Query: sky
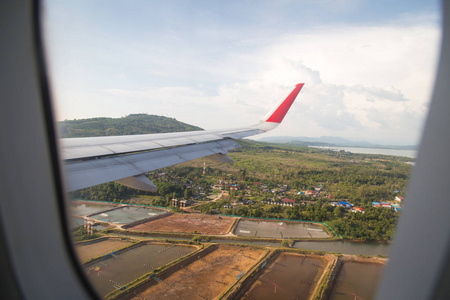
(368, 66)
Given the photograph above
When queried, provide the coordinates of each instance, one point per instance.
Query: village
(242, 195)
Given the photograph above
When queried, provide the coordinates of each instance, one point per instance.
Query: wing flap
(139, 182)
(82, 174)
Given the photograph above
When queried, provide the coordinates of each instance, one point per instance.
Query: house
(385, 205)
(399, 199)
(283, 188)
(358, 209)
(243, 202)
(300, 193)
(376, 204)
(310, 192)
(288, 200)
(345, 204)
(234, 187)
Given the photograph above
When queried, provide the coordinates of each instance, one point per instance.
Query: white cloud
(361, 82)
(370, 83)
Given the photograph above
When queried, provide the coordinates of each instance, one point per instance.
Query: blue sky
(368, 66)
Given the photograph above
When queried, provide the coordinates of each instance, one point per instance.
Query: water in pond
(260, 243)
(290, 276)
(279, 229)
(84, 209)
(99, 227)
(75, 222)
(357, 281)
(128, 214)
(346, 247)
(116, 271)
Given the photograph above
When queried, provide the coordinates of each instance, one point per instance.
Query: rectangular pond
(75, 222)
(290, 276)
(357, 280)
(127, 214)
(92, 249)
(188, 223)
(346, 247)
(206, 277)
(279, 229)
(120, 269)
(86, 208)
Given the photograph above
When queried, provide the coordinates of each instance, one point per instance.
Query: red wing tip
(278, 115)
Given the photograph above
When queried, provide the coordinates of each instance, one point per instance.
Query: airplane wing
(125, 159)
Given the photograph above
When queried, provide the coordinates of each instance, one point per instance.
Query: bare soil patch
(188, 223)
(207, 277)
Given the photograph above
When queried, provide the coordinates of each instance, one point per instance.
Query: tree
(337, 212)
(287, 243)
(197, 238)
(187, 193)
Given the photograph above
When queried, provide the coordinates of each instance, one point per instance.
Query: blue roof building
(345, 204)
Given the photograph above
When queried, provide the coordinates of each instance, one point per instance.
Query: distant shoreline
(372, 150)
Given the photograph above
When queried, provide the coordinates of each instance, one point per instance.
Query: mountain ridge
(128, 125)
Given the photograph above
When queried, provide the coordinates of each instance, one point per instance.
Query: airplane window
(326, 99)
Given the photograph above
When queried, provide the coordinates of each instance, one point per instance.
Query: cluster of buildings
(396, 207)
(355, 209)
(316, 192)
(283, 202)
(348, 205)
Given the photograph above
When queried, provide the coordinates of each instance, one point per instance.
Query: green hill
(131, 124)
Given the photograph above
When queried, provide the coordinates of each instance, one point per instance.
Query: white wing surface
(125, 159)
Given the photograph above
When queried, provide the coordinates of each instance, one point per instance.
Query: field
(205, 278)
(188, 223)
(121, 268)
(289, 276)
(88, 250)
